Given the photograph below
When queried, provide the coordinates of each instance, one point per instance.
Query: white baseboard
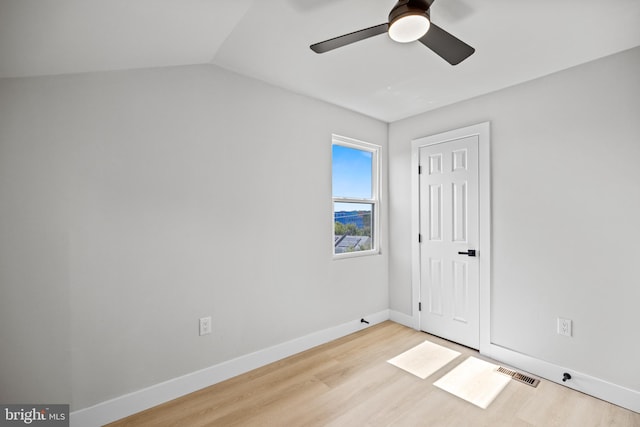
(584, 383)
(401, 318)
(129, 404)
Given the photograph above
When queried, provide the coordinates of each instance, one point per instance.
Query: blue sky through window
(352, 169)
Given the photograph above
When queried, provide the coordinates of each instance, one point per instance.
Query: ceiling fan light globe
(409, 28)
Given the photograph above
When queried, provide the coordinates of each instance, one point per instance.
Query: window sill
(346, 255)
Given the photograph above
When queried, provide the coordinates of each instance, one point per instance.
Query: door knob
(470, 252)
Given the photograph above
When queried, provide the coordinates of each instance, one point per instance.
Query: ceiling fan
(409, 20)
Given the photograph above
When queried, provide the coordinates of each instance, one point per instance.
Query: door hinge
(419, 238)
(419, 306)
(419, 169)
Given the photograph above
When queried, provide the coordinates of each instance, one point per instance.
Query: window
(355, 184)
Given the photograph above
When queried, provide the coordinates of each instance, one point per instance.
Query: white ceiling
(515, 41)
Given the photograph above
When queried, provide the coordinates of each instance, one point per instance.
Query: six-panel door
(449, 280)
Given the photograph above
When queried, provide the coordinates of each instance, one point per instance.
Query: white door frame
(482, 130)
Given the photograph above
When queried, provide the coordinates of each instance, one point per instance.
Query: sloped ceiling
(269, 40)
(43, 37)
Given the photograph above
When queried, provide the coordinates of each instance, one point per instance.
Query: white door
(449, 236)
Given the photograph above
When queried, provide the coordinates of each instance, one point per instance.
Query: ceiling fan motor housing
(409, 7)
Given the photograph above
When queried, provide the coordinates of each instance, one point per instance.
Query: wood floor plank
(348, 382)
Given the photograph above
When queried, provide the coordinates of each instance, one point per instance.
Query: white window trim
(375, 192)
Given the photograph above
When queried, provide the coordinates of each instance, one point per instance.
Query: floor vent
(506, 371)
(533, 382)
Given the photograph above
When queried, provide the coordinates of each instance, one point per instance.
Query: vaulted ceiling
(269, 40)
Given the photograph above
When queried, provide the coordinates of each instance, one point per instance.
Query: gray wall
(35, 358)
(135, 202)
(565, 210)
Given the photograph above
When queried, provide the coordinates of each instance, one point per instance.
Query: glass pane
(353, 227)
(352, 172)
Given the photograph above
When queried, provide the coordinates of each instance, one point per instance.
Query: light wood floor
(348, 383)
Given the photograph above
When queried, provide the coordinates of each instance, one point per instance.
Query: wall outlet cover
(564, 327)
(205, 325)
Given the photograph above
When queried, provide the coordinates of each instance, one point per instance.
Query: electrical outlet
(564, 326)
(205, 325)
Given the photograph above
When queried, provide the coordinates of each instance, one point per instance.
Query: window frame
(374, 201)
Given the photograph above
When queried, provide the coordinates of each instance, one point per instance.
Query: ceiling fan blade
(447, 46)
(356, 36)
